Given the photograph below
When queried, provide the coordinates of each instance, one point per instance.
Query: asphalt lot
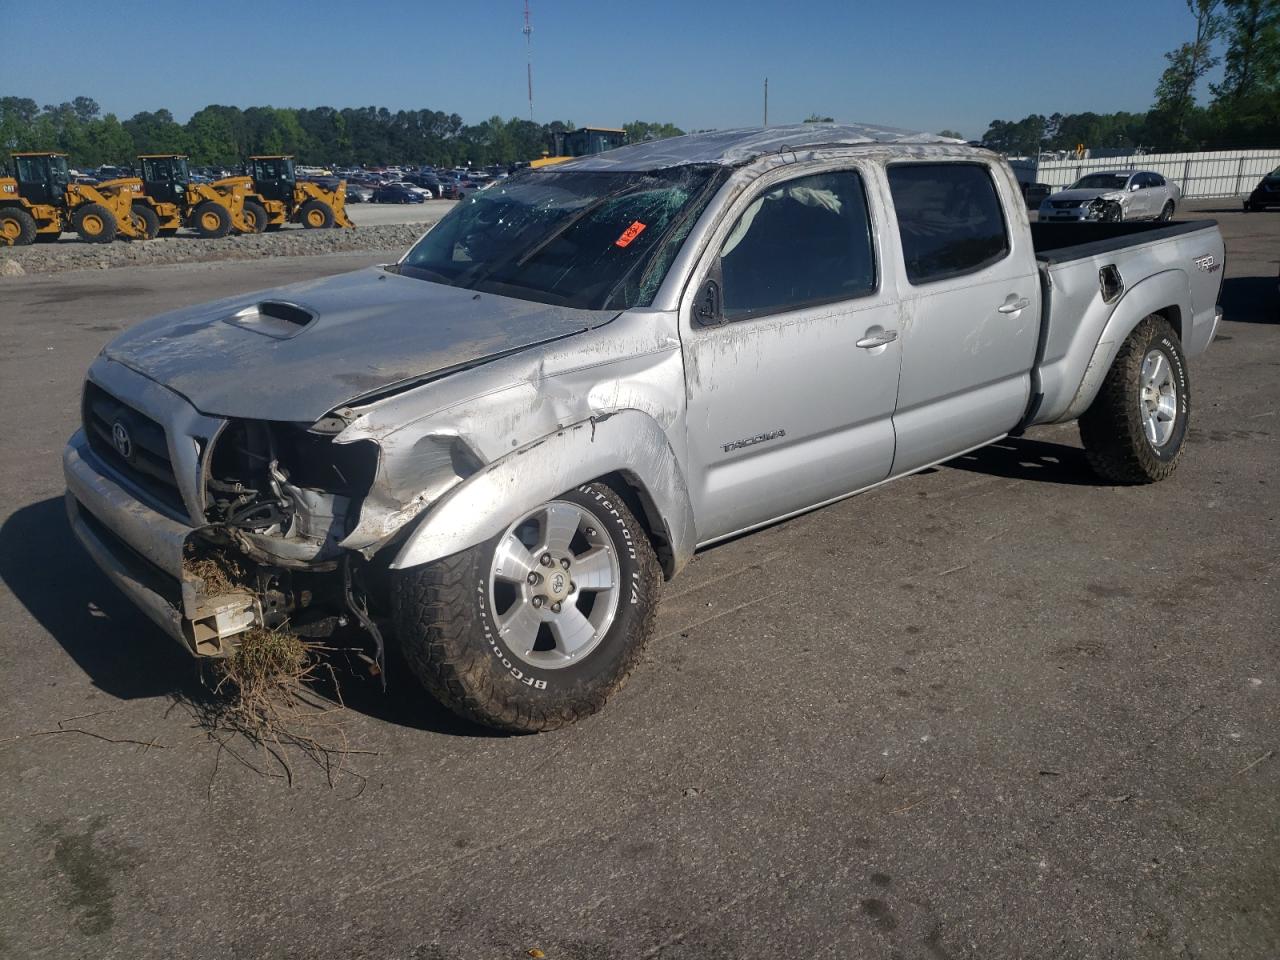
(995, 710)
(371, 214)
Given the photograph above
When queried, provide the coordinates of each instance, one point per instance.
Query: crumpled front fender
(629, 442)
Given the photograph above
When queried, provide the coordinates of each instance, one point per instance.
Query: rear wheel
(316, 215)
(149, 223)
(17, 227)
(256, 215)
(211, 220)
(95, 223)
(1134, 430)
(537, 627)
(1166, 214)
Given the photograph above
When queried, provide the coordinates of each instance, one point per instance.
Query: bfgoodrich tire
(1135, 428)
(537, 627)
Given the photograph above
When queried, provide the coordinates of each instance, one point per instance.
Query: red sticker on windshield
(630, 233)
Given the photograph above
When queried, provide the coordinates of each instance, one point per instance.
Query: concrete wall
(1227, 173)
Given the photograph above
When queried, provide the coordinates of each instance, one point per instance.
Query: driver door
(792, 364)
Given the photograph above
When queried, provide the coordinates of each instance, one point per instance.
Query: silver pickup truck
(494, 451)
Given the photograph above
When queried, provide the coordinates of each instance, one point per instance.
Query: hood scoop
(273, 318)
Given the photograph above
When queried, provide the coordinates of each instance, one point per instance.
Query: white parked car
(1113, 196)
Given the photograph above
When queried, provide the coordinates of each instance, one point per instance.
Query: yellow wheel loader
(286, 199)
(39, 202)
(169, 200)
(582, 142)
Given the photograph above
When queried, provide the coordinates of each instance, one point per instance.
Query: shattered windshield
(1102, 181)
(587, 239)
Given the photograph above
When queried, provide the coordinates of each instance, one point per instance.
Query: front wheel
(537, 627)
(212, 220)
(1134, 430)
(146, 222)
(17, 227)
(95, 223)
(255, 215)
(316, 215)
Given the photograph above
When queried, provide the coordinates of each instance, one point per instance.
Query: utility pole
(528, 42)
(766, 101)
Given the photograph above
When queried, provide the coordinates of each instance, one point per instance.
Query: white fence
(1228, 173)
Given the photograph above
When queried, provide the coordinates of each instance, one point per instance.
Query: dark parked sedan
(356, 193)
(1266, 193)
(390, 194)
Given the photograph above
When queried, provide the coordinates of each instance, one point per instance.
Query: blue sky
(921, 64)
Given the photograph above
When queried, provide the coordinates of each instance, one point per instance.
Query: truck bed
(1176, 267)
(1059, 242)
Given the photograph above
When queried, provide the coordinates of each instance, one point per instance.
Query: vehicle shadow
(1021, 458)
(1251, 299)
(126, 656)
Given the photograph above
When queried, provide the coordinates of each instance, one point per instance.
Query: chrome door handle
(877, 339)
(1014, 306)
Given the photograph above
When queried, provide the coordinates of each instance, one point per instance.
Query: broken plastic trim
(1111, 283)
(359, 609)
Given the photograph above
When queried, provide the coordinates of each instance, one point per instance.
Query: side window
(949, 218)
(1155, 180)
(803, 242)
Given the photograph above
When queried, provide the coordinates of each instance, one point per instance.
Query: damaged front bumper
(142, 551)
(1091, 211)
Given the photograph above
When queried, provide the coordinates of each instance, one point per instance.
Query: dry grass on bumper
(263, 692)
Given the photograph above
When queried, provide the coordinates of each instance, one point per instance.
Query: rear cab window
(950, 219)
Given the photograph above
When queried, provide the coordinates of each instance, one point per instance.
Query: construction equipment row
(40, 202)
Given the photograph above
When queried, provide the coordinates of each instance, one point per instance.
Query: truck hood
(297, 352)
(1083, 196)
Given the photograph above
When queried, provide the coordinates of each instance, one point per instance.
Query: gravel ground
(69, 254)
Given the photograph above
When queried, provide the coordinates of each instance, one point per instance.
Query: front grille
(145, 457)
(1065, 204)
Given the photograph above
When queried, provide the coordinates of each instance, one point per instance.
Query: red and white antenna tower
(528, 41)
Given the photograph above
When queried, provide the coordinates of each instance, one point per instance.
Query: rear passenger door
(1142, 200)
(792, 379)
(970, 310)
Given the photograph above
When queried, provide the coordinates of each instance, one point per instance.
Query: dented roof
(734, 147)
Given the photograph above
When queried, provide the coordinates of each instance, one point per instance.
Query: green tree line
(223, 136)
(1243, 110)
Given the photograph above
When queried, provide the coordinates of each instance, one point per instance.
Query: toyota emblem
(121, 440)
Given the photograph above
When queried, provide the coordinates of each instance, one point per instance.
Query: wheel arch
(1166, 294)
(627, 450)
